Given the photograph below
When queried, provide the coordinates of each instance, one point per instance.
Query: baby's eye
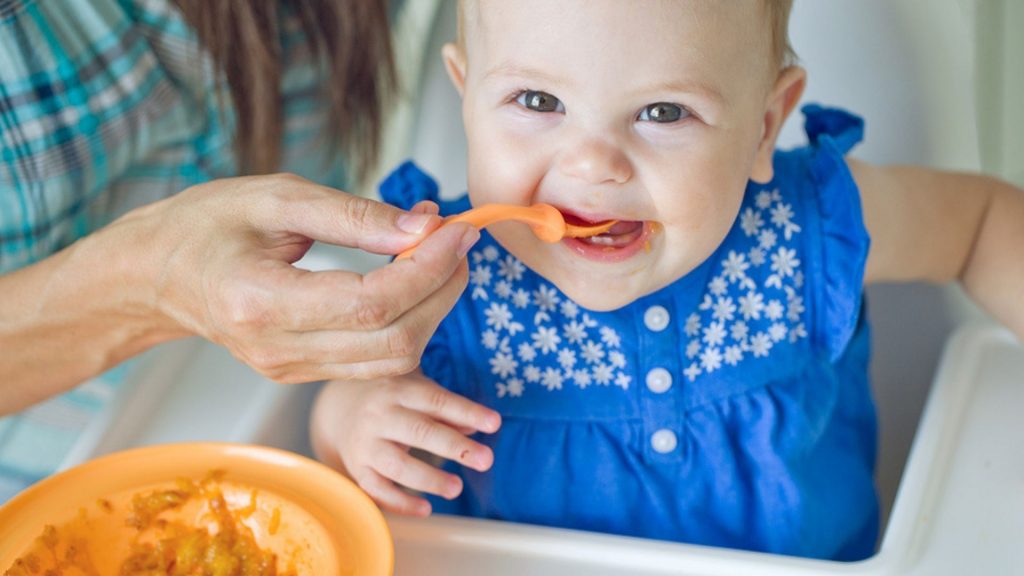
(539, 101)
(662, 112)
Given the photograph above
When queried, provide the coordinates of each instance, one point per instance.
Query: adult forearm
(994, 271)
(78, 313)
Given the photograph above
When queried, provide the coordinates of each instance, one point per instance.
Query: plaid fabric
(106, 105)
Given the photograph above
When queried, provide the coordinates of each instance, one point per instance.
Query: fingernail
(414, 223)
(468, 239)
(482, 461)
(423, 509)
(493, 422)
(454, 489)
(426, 207)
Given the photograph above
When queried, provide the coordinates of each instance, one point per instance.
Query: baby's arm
(941, 226)
(366, 428)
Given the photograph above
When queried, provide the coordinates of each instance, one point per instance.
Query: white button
(663, 441)
(656, 318)
(659, 380)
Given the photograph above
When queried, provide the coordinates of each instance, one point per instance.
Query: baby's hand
(366, 429)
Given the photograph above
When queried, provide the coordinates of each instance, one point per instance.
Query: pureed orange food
(189, 528)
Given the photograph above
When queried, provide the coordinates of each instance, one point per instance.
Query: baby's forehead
(715, 36)
(765, 20)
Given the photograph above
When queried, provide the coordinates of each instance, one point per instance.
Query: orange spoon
(544, 219)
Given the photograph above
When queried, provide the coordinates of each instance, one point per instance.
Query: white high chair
(907, 67)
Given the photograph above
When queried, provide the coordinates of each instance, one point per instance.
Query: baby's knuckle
(438, 399)
(391, 467)
(421, 431)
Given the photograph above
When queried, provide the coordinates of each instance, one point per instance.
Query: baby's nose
(596, 161)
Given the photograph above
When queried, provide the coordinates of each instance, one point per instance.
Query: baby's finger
(396, 464)
(414, 429)
(390, 497)
(432, 400)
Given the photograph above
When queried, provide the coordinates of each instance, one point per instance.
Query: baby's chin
(601, 294)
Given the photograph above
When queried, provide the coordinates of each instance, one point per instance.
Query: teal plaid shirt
(106, 105)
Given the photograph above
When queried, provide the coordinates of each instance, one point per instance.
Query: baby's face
(652, 113)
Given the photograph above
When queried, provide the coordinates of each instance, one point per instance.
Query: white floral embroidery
(545, 298)
(569, 309)
(498, 316)
(724, 309)
(609, 337)
(692, 327)
(552, 379)
(532, 373)
(593, 352)
(503, 365)
(563, 346)
(513, 388)
(511, 268)
(489, 339)
(521, 298)
(746, 309)
(546, 339)
(581, 378)
(751, 221)
(503, 289)
(527, 353)
(622, 380)
(574, 332)
(603, 374)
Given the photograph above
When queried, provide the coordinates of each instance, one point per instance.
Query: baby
(699, 372)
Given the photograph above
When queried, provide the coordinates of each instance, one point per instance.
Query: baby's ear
(455, 64)
(783, 98)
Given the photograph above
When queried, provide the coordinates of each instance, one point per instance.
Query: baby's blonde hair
(778, 18)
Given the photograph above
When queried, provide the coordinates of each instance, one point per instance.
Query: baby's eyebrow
(517, 70)
(698, 88)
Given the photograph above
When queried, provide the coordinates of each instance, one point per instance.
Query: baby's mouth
(622, 234)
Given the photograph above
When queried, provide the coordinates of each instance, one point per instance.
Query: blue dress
(730, 408)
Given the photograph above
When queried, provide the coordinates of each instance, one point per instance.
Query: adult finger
(336, 217)
(339, 299)
(296, 357)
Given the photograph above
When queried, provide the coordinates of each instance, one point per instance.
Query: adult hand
(216, 261)
(230, 277)
(366, 430)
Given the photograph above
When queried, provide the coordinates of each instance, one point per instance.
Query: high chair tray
(959, 509)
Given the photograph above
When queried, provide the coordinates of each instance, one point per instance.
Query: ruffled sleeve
(408, 185)
(844, 237)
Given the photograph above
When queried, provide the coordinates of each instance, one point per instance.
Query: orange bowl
(308, 515)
